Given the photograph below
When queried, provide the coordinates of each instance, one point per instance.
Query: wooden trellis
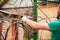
(26, 9)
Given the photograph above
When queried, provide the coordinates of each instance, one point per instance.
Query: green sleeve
(54, 25)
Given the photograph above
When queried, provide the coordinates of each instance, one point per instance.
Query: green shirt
(55, 29)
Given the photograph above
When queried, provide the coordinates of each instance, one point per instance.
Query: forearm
(37, 25)
(31, 23)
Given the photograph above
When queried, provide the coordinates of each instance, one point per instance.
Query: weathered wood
(3, 3)
(20, 7)
(18, 3)
(21, 11)
(0, 30)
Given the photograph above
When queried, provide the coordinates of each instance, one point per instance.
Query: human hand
(24, 19)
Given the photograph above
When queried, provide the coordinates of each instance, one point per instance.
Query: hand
(23, 19)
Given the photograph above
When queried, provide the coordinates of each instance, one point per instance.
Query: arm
(43, 26)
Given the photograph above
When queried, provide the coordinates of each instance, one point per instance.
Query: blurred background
(46, 12)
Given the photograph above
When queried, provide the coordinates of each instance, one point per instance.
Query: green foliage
(0, 0)
(25, 38)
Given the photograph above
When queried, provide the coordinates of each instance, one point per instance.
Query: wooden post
(13, 32)
(0, 30)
